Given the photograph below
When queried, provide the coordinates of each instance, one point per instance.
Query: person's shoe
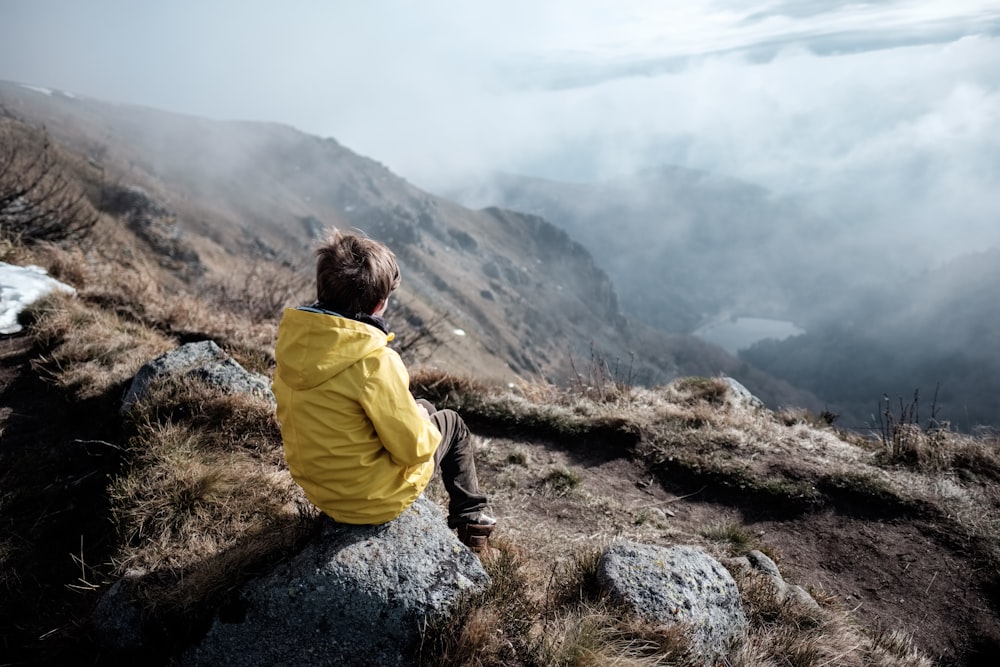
(474, 530)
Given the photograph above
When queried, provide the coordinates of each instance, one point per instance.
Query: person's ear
(380, 308)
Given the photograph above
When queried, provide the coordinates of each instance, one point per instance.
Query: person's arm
(409, 438)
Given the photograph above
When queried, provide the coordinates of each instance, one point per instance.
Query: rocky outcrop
(680, 584)
(738, 395)
(356, 595)
(153, 223)
(204, 360)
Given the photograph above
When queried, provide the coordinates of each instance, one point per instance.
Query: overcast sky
(877, 111)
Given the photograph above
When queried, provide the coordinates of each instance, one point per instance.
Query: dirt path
(891, 573)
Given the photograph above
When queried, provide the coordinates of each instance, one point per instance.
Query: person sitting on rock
(355, 439)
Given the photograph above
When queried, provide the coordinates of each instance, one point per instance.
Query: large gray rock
(356, 595)
(740, 395)
(204, 360)
(116, 620)
(681, 584)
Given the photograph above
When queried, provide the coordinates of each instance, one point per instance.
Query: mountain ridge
(530, 299)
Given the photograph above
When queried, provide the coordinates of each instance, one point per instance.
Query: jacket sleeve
(406, 435)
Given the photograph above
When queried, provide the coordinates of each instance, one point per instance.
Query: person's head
(354, 274)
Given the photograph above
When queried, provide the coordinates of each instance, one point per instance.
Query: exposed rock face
(679, 584)
(356, 595)
(740, 395)
(204, 360)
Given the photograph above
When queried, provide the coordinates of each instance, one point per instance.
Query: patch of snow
(459, 332)
(21, 286)
(37, 89)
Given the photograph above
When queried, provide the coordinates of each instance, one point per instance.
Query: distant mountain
(937, 336)
(505, 295)
(692, 252)
(686, 247)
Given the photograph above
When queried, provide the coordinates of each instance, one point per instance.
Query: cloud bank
(884, 116)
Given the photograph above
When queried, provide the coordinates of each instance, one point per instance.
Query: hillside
(527, 300)
(687, 247)
(896, 537)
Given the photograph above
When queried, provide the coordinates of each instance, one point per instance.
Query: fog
(874, 128)
(883, 116)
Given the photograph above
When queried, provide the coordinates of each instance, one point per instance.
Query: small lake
(739, 333)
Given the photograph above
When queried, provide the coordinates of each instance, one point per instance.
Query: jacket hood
(314, 347)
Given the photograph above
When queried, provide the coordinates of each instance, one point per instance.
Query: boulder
(356, 595)
(741, 396)
(759, 563)
(116, 620)
(680, 584)
(204, 360)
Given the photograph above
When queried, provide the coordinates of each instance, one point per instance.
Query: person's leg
(454, 458)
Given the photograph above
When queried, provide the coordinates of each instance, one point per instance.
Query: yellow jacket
(353, 437)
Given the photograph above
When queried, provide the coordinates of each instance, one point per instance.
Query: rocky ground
(893, 572)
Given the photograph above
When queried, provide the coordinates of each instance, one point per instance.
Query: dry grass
(206, 499)
(236, 422)
(696, 429)
(783, 631)
(518, 622)
(89, 350)
(239, 311)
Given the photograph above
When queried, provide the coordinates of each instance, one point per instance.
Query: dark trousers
(455, 462)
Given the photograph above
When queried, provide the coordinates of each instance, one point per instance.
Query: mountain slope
(685, 247)
(509, 295)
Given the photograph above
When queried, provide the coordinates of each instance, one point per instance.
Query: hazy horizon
(883, 116)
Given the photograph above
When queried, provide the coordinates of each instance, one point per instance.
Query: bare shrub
(417, 338)
(600, 381)
(904, 439)
(38, 202)
(259, 292)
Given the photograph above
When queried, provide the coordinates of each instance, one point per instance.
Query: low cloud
(881, 115)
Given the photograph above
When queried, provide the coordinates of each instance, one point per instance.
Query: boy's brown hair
(354, 274)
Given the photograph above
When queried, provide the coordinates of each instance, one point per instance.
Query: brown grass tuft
(784, 631)
(88, 350)
(236, 422)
